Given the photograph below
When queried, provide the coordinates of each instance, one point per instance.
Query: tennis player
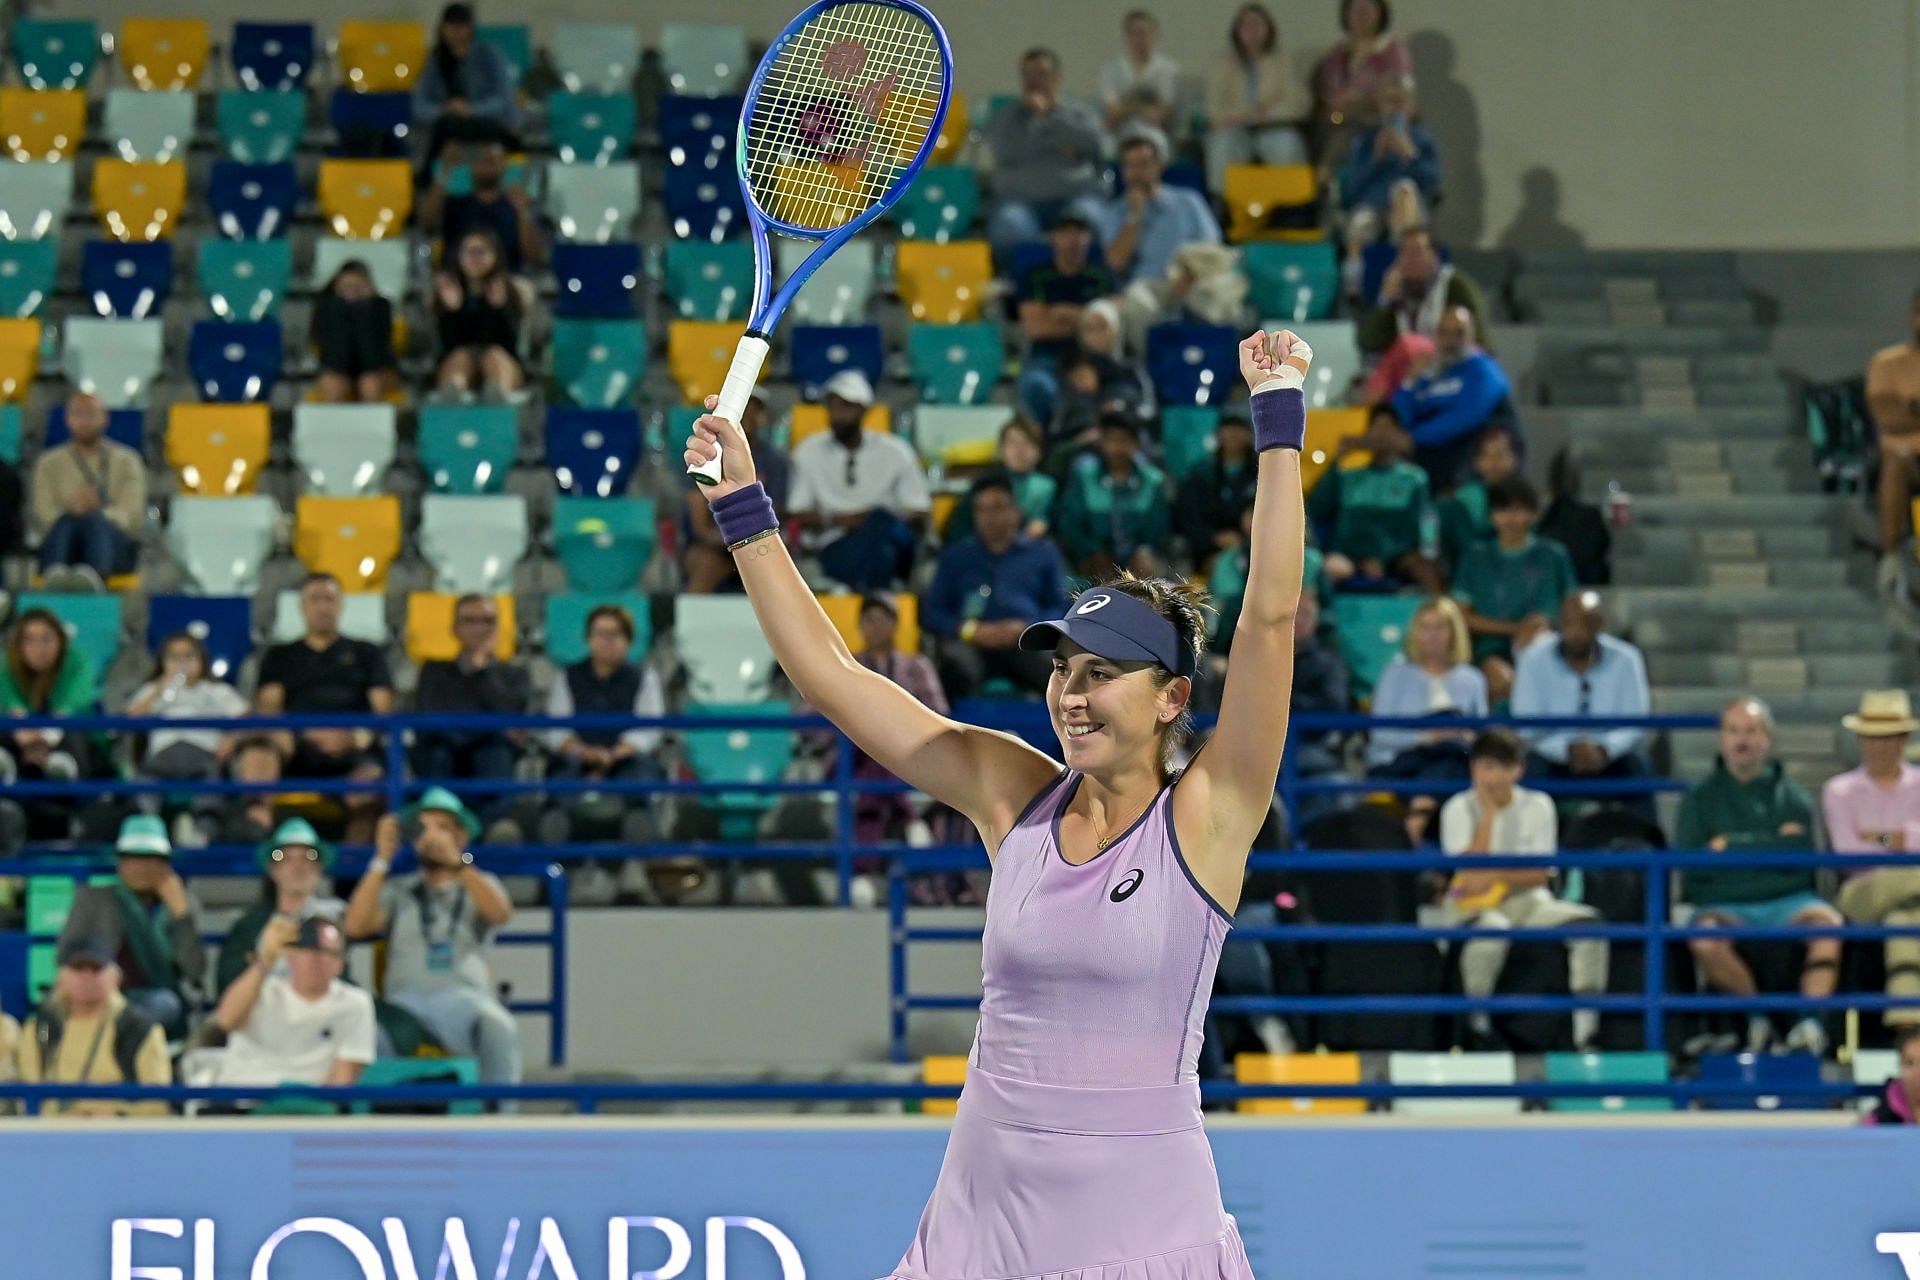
(1078, 1152)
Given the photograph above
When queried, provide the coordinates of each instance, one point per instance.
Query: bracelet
(743, 513)
(752, 538)
(381, 865)
(1279, 416)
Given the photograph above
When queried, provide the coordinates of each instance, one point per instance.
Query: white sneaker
(86, 580)
(57, 580)
(187, 833)
(1273, 1033)
(1759, 1034)
(62, 767)
(1808, 1036)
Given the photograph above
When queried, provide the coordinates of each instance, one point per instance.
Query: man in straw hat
(147, 921)
(1876, 809)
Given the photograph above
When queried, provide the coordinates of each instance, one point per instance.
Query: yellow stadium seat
(430, 627)
(164, 53)
(942, 1070)
(844, 609)
(699, 352)
(811, 420)
(382, 57)
(1254, 191)
(943, 505)
(366, 199)
(354, 539)
(43, 124)
(138, 200)
(953, 131)
(944, 283)
(19, 357)
(1326, 428)
(217, 450)
(1298, 1068)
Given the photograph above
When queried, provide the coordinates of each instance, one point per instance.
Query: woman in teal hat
(296, 862)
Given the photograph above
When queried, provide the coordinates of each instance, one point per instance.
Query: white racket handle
(748, 358)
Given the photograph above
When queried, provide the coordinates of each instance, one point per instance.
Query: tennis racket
(841, 115)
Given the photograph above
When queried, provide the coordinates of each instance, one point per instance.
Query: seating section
(811, 419)
(19, 357)
(218, 449)
(944, 283)
(355, 539)
(843, 610)
(840, 288)
(593, 203)
(245, 280)
(703, 61)
(467, 449)
(591, 128)
(595, 279)
(164, 53)
(260, 126)
(221, 543)
(130, 281)
(473, 542)
(941, 205)
(46, 124)
(54, 53)
(699, 354)
(1292, 282)
(1453, 1068)
(593, 452)
(1298, 1068)
(272, 55)
(139, 200)
(93, 623)
(253, 201)
(154, 126)
(344, 450)
(114, 359)
(959, 435)
(1266, 202)
(363, 616)
(603, 544)
(817, 352)
(35, 198)
(709, 281)
(381, 57)
(595, 57)
(724, 652)
(388, 261)
(599, 363)
(738, 755)
(1193, 363)
(955, 363)
(235, 363)
(28, 270)
(125, 426)
(366, 199)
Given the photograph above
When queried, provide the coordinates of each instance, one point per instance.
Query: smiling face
(1108, 713)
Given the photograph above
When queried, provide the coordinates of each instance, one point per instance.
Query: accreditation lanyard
(440, 950)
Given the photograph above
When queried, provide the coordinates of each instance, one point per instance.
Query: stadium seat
(595, 279)
(468, 448)
(1193, 363)
(699, 352)
(566, 627)
(1873, 1067)
(944, 283)
(55, 53)
(942, 1069)
(699, 135)
(473, 542)
(954, 131)
(1272, 202)
(959, 435)
(366, 199)
(1326, 428)
(381, 57)
(363, 615)
(703, 61)
(1370, 631)
(10, 433)
(272, 55)
(234, 363)
(430, 636)
(124, 426)
(955, 363)
(164, 53)
(388, 261)
(403, 1071)
(591, 128)
(28, 272)
(457, 175)
(19, 356)
(371, 123)
(245, 280)
(224, 624)
(726, 656)
(593, 203)
(1292, 282)
(343, 450)
(1336, 360)
(92, 621)
(139, 201)
(817, 352)
(515, 43)
(130, 281)
(1607, 1068)
(35, 198)
(260, 127)
(595, 57)
(839, 292)
(811, 420)
(220, 543)
(253, 201)
(355, 539)
(114, 359)
(42, 124)
(599, 364)
(603, 544)
(748, 756)
(593, 452)
(1453, 1068)
(704, 203)
(707, 281)
(941, 205)
(1298, 1068)
(218, 449)
(1187, 436)
(1781, 1074)
(843, 610)
(142, 125)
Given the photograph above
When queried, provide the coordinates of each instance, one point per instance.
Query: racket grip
(748, 358)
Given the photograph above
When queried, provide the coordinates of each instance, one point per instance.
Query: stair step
(1568, 311)
(1746, 510)
(1710, 311)
(1819, 703)
(1777, 675)
(1758, 395)
(1630, 290)
(1742, 573)
(1805, 739)
(1735, 605)
(1669, 399)
(1659, 263)
(1766, 639)
(1744, 423)
(1695, 455)
(1637, 315)
(1560, 340)
(1662, 371)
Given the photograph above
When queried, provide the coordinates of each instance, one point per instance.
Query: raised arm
(987, 775)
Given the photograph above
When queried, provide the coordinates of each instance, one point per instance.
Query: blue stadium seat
(263, 127)
(593, 452)
(468, 448)
(245, 279)
(1193, 363)
(703, 204)
(54, 53)
(956, 363)
(820, 351)
(603, 544)
(591, 128)
(272, 55)
(695, 126)
(566, 625)
(253, 201)
(131, 281)
(1779, 1073)
(235, 363)
(363, 116)
(595, 279)
(28, 271)
(127, 426)
(223, 623)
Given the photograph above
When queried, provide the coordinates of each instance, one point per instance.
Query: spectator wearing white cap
(1876, 809)
(860, 496)
(307, 1027)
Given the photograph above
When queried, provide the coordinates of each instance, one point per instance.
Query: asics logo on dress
(1124, 890)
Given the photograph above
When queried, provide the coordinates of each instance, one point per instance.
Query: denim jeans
(874, 555)
(91, 539)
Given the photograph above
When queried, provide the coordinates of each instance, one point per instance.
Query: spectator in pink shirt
(1876, 808)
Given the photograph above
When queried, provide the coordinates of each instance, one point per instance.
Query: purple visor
(1115, 625)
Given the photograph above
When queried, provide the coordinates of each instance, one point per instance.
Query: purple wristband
(1279, 419)
(743, 513)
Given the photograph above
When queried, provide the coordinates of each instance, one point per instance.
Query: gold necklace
(1100, 841)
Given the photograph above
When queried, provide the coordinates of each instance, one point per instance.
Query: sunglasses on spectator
(477, 620)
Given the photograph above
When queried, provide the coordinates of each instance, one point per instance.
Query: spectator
(326, 673)
(860, 495)
(606, 683)
(182, 689)
(44, 675)
(1254, 104)
(1400, 324)
(466, 91)
(1149, 222)
(1583, 671)
(305, 1026)
(1034, 490)
(1364, 269)
(1578, 526)
(1113, 506)
(477, 311)
(1893, 401)
(706, 566)
(1499, 816)
(439, 926)
(1095, 380)
(495, 206)
(1321, 685)
(1464, 518)
(1379, 517)
(1453, 399)
(1749, 805)
(1511, 585)
(148, 922)
(986, 590)
(473, 683)
(1052, 295)
(88, 1033)
(1876, 809)
(1142, 85)
(257, 757)
(89, 503)
(1900, 1103)
(1213, 500)
(1348, 79)
(296, 862)
(1203, 285)
(894, 815)
(1046, 156)
(1384, 160)
(1435, 676)
(352, 337)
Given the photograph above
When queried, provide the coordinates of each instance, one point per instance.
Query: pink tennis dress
(1078, 1152)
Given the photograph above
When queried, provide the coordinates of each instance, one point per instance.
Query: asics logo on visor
(1093, 604)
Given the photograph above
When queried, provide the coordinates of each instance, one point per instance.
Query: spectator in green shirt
(1020, 452)
(44, 674)
(1511, 586)
(1114, 511)
(1749, 804)
(1379, 518)
(1464, 517)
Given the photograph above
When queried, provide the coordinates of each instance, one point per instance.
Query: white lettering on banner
(1905, 1244)
(364, 1251)
(791, 1268)
(552, 1246)
(679, 1248)
(454, 1249)
(120, 1257)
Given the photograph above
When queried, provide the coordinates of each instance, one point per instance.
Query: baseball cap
(75, 951)
(1115, 625)
(850, 385)
(317, 933)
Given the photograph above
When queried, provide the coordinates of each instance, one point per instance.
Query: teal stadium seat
(515, 43)
(703, 61)
(220, 543)
(261, 127)
(839, 291)
(708, 281)
(93, 623)
(603, 544)
(591, 128)
(941, 204)
(35, 198)
(739, 755)
(955, 363)
(28, 271)
(1336, 359)
(148, 124)
(599, 364)
(10, 433)
(1187, 436)
(1292, 282)
(55, 53)
(567, 623)
(116, 360)
(1370, 631)
(395, 1071)
(726, 657)
(474, 542)
(1608, 1068)
(245, 280)
(344, 450)
(468, 448)
(595, 57)
(593, 203)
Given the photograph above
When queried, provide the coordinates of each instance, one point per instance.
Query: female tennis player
(1078, 1152)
